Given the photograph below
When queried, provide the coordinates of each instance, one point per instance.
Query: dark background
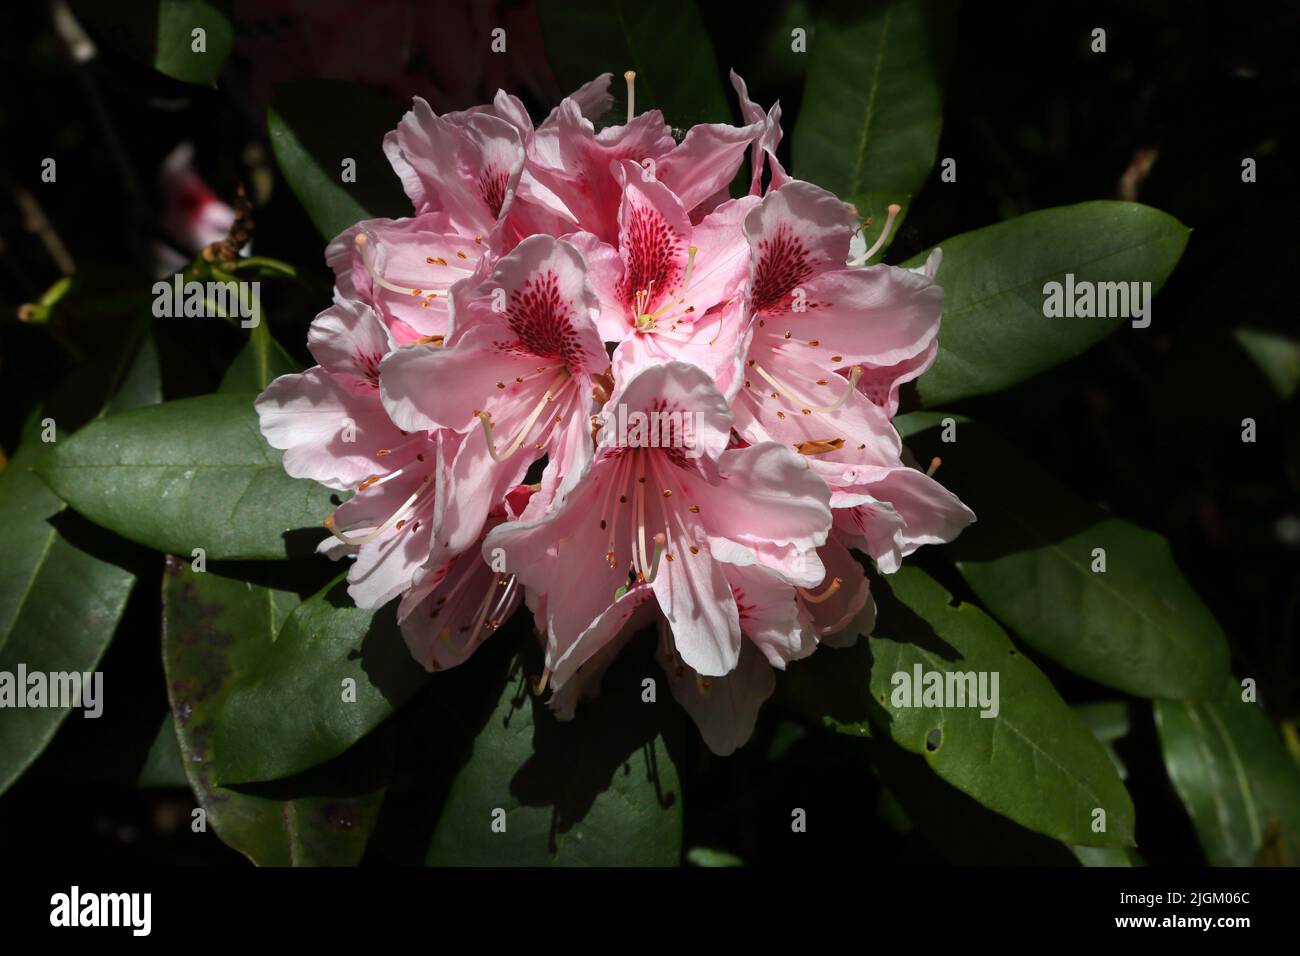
(1146, 425)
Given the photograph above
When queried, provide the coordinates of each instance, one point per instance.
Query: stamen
(483, 612)
(363, 247)
(539, 685)
(375, 481)
(392, 520)
(518, 443)
(934, 466)
(640, 518)
(690, 267)
(819, 598)
(660, 543)
(630, 76)
(894, 210)
(819, 446)
(854, 376)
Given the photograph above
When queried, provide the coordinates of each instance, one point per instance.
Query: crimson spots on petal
(368, 363)
(492, 187)
(782, 265)
(652, 250)
(543, 320)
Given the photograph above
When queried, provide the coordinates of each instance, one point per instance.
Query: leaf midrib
(873, 88)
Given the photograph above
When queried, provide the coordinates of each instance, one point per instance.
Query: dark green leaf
(1108, 856)
(1276, 356)
(314, 126)
(61, 596)
(994, 333)
(194, 473)
(1035, 762)
(59, 604)
(333, 674)
(1138, 626)
(1109, 721)
(665, 43)
(600, 790)
(257, 365)
(1239, 785)
(216, 629)
(946, 823)
(160, 33)
(872, 107)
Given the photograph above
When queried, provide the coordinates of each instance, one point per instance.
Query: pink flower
(781, 622)
(709, 382)
(649, 518)
(668, 291)
(515, 377)
(404, 269)
(465, 165)
(461, 601)
(329, 420)
(572, 166)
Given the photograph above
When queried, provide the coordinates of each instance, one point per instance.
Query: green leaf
(317, 124)
(1108, 856)
(177, 21)
(333, 674)
(163, 765)
(1109, 721)
(665, 43)
(160, 34)
(215, 630)
(1276, 356)
(994, 333)
(59, 604)
(1035, 762)
(61, 597)
(1138, 626)
(946, 823)
(194, 473)
(257, 365)
(1232, 771)
(873, 100)
(707, 856)
(141, 383)
(600, 790)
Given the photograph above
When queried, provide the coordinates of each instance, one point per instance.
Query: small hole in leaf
(933, 739)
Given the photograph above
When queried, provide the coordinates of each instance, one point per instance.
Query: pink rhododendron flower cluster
(702, 387)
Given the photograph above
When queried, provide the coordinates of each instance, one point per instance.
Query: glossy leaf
(873, 99)
(194, 473)
(215, 630)
(160, 33)
(665, 43)
(1137, 626)
(1235, 777)
(59, 604)
(600, 790)
(994, 332)
(61, 592)
(1035, 761)
(946, 824)
(333, 674)
(257, 365)
(315, 125)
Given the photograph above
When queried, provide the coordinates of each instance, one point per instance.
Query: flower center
(645, 321)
